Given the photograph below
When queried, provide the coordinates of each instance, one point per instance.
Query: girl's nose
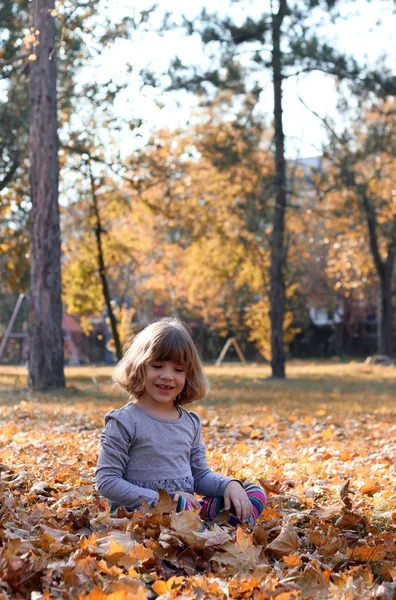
(166, 374)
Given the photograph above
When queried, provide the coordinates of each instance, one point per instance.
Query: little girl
(152, 443)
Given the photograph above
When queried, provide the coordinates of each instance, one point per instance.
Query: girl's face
(164, 381)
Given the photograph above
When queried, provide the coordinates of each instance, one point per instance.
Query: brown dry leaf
(260, 535)
(165, 504)
(348, 520)
(287, 542)
(187, 526)
(344, 491)
(241, 554)
(325, 512)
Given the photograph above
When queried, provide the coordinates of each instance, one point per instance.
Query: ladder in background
(8, 334)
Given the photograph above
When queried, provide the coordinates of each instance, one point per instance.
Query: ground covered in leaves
(323, 444)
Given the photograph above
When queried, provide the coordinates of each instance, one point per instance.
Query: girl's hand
(191, 498)
(235, 495)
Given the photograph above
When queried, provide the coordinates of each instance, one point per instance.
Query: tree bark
(384, 272)
(277, 283)
(46, 360)
(385, 324)
(102, 267)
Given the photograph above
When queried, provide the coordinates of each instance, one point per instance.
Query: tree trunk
(102, 268)
(385, 321)
(46, 359)
(385, 273)
(277, 283)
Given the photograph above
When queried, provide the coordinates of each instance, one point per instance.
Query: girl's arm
(112, 463)
(206, 483)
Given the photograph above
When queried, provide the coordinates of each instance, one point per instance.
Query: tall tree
(284, 42)
(46, 359)
(98, 231)
(359, 196)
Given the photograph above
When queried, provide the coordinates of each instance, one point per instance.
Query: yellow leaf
(242, 447)
(115, 548)
(327, 433)
(132, 573)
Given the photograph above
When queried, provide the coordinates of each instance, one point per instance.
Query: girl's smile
(164, 381)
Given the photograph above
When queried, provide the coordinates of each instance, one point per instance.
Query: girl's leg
(182, 504)
(211, 507)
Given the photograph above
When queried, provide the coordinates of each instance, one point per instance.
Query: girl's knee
(256, 496)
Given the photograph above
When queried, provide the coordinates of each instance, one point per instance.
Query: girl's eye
(180, 370)
(156, 366)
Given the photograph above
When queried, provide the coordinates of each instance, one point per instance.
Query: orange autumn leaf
(140, 554)
(274, 488)
(367, 553)
(292, 560)
(288, 595)
(370, 487)
(162, 587)
(345, 455)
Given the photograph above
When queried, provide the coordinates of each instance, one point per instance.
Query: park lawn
(322, 443)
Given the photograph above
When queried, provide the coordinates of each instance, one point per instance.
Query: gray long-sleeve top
(142, 453)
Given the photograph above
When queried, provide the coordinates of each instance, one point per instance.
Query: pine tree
(46, 358)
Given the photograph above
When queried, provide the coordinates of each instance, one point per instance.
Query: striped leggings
(211, 507)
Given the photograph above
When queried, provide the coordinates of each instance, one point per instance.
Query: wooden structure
(9, 334)
(231, 342)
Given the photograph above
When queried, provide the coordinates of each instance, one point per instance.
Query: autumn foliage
(322, 449)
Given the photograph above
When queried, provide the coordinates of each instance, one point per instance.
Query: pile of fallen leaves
(329, 529)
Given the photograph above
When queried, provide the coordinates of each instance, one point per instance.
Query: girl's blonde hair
(164, 340)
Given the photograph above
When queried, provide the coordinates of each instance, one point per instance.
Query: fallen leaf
(287, 542)
(370, 487)
(292, 560)
(344, 491)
